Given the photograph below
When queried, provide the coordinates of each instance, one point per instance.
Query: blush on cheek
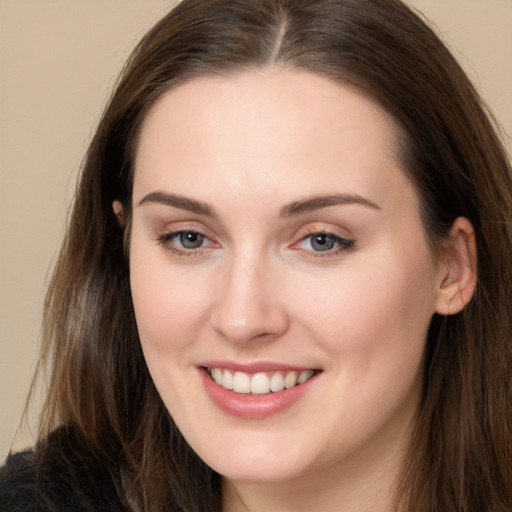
(374, 313)
(167, 311)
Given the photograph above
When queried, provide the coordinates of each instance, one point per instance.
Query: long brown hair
(460, 456)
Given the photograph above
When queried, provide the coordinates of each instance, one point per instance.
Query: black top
(51, 481)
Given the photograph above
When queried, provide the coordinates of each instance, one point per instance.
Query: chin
(260, 460)
(269, 471)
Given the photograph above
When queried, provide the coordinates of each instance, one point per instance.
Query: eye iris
(191, 240)
(322, 242)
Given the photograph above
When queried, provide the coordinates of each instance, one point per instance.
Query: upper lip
(255, 367)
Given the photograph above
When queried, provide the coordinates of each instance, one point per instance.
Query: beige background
(58, 60)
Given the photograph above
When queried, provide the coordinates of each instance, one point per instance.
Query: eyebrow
(295, 208)
(318, 202)
(184, 203)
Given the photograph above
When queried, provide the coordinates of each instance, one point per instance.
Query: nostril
(247, 311)
(255, 327)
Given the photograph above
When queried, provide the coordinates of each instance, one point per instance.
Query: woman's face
(277, 248)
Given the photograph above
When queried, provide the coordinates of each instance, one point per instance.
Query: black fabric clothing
(60, 475)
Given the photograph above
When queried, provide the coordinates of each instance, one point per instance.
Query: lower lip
(254, 406)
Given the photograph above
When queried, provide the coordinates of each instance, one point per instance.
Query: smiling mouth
(260, 383)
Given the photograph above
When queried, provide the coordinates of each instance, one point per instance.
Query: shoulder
(60, 474)
(17, 482)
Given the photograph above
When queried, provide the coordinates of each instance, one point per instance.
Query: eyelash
(166, 241)
(343, 244)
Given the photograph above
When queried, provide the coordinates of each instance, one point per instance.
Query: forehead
(268, 130)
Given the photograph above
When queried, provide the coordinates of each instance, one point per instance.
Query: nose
(249, 305)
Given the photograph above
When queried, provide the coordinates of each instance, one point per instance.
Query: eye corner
(318, 243)
(186, 242)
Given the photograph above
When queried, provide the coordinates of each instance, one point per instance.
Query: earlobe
(119, 213)
(458, 269)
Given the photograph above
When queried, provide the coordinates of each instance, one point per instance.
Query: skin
(258, 290)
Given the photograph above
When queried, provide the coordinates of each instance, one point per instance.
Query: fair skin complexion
(238, 258)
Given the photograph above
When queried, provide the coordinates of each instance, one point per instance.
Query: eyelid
(345, 243)
(312, 229)
(179, 226)
(165, 237)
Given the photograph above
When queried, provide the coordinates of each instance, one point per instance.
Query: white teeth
(241, 383)
(227, 381)
(304, 376)
(276, 382)
(217, 375)
(260, 383)
(290, 380)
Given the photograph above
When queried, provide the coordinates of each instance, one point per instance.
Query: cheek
(373, 324)
(370, 308)
(169, 306)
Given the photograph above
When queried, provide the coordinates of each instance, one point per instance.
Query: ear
(458, 265)
(119, 212)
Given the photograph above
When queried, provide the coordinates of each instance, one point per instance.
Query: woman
(285, 283)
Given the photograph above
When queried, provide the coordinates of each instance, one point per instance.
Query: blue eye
(190, 239)
(184, 242)
(325, 242)
(322, 242)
